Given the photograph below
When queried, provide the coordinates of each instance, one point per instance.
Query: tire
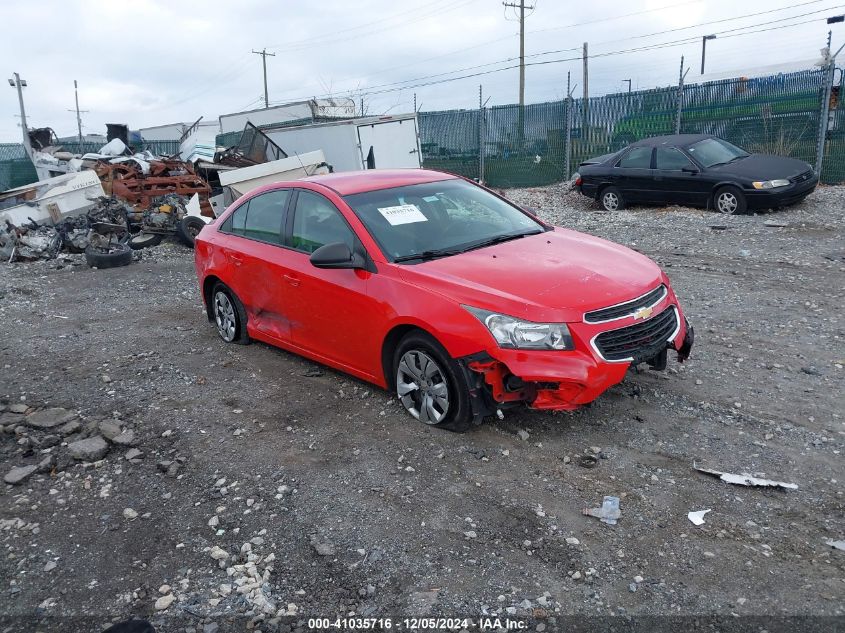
(113, 256)
(417, 382)
(229, 315)
(144, 240)
(188, 228)
(611, 199)
(729, 200)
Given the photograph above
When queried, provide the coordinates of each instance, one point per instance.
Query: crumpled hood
(552, 276)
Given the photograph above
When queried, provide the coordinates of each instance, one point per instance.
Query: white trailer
(50, 201)
(355, 144)
(296, 111)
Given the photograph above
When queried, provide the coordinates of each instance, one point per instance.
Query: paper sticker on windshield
(402, 214)
(431, 198)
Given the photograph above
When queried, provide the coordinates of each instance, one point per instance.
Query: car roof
(673, 140)
(350, 182)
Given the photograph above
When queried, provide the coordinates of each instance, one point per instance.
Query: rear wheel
(429, 383)
(229, 315)
(611, 199)
(729, 200)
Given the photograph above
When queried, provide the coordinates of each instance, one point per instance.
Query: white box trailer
(355, 144)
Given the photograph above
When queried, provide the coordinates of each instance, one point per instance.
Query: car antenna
(301, 164)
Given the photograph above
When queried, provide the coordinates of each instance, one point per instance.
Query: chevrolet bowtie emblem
(643, 313)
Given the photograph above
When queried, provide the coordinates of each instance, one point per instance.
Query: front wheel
(729, 200)
(430, 384)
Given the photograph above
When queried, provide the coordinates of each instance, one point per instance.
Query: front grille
(640, 341)
(626, 309)
(803, 177)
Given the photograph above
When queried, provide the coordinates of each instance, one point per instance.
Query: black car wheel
(144, 240)
(430, 384)
(611, 199)
(111, 256)
(229, 315)
(729, 200)
(188, 228)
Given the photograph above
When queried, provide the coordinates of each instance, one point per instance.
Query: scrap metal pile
(106, 233)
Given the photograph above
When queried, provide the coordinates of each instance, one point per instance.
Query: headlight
(517, 334)
(770, 184)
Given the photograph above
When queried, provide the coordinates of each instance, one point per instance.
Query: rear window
(637, 158)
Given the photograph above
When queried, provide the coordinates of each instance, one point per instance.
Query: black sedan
(694, 169)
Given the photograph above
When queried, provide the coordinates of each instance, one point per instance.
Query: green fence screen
(527, 146)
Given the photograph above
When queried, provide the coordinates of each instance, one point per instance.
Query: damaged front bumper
(557, 380)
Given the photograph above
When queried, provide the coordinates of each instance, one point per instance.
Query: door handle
(293, 281)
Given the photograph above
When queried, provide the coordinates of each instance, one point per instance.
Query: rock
(46, 464)
(18, 407)
(576, 575)
(632, 587)
(218, 553)
(70, 428)
(214, 521)
(638, 579)
(211, 627)
(19, 474)
(471, 534)
(164, 590)
(571, 540)
(109, 429)
(49, 440)
(133, 453)
(164, 602)
(322, 548)
(49, 418)
(89, 450)
(129, 513)
(51, 565)
(523, 434)
(125, 438)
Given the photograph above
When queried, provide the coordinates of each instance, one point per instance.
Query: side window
(235, 222)
(265, 216)
(671, 159)
(637, 158)
(317, 222)
(260, 218)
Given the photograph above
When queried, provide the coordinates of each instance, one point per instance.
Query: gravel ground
(247, 488)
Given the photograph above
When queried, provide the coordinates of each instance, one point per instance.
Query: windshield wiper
(429, 254)
(446, 252)
(500, 238)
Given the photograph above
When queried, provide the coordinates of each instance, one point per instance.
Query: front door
(331, 314)
(678, 179)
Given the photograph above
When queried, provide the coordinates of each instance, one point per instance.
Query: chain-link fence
(509, 146)
(16, 169)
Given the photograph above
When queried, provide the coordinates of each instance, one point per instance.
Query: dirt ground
(262, 490)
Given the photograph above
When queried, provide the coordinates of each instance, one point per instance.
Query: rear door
(331, 314)
(633, 175)
(259, 261)
(676, 185)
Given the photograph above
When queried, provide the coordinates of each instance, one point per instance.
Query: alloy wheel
(610, 201)
(224, 315)
(727, 202)
(422, 388)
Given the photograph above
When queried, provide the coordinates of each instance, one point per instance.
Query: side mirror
(690, 170)
(336, 255)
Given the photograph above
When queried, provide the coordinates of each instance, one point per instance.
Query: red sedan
(438, 289)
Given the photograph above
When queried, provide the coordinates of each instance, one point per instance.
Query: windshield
(715, 151)
(437, 219)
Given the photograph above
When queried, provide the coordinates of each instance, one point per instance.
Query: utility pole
(264, 55)
(20, 84)
(585, 106)
(522, 7)
(704, 39)
(78, 118)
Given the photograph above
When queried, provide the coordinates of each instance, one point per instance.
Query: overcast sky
(149, 62)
